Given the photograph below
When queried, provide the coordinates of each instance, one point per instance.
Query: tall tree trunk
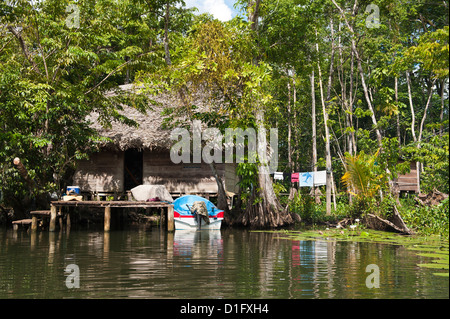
(290, 164)
(350, 104)
(366, 94)
(347, 98)
(327, 145)
(398, 111)
(267, 210)
(222, 202)
(327, 148)
(313, 118)
(427, 105)
(330, 79)
(263, 209)
(327, 138)
(413, 116)
(314, 132)
(166, 34)
(289, 125)
(441, 116)
(361, 71)
(294, 102)
(419, 166)
(422, 122)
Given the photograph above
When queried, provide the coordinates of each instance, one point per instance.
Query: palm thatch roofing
(151, 132)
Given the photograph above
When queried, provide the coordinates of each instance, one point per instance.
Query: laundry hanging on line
(278, 176)
(320, 178)
(309, 179)
(306, 179)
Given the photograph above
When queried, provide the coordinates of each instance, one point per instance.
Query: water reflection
(139, 263)
(198, 244)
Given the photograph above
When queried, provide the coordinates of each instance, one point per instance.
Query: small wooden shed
(408, 182)
(142, 156)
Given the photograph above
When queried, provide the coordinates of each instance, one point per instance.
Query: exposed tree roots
(261, 214)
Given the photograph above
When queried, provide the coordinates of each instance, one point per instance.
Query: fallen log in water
(397, 223)
(373, 221)
(398, 220)
(384, 222)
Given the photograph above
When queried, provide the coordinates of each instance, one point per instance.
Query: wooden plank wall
(408, 181)
(103, 172)
(179, 178)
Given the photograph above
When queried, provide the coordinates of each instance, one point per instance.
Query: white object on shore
(145, 192)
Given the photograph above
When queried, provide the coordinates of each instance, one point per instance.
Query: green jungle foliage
(379, 92)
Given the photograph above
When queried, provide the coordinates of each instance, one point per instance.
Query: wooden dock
(22, 223)
(107, 205)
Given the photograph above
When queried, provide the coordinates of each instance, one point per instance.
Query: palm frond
(359, 178)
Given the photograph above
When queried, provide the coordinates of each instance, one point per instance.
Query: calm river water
(139, 263)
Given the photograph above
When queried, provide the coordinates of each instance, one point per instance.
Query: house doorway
(133, 168)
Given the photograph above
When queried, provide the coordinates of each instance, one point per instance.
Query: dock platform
(21, 222)
(107, 205)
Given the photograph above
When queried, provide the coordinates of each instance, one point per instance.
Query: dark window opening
(133, 168)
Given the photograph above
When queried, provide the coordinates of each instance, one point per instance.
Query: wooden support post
(53, 216)
(106, 245)
(60, 217)
(107, 221)
(162, 218)
(170, 220)
(68, 220)
(34, 222)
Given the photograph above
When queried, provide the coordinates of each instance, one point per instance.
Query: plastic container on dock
(73, 190)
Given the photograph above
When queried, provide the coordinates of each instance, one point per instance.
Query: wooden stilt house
(141, 155)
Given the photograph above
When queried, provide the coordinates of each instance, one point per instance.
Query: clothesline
(305, 179)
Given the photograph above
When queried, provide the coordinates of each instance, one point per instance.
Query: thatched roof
(150, 134)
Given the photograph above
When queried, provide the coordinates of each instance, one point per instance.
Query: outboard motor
(200, 211)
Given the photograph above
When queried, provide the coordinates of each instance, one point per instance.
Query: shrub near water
(427, 220)
(424, 220)
(311, 213)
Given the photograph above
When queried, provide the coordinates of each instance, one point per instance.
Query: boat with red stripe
(185, 218)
